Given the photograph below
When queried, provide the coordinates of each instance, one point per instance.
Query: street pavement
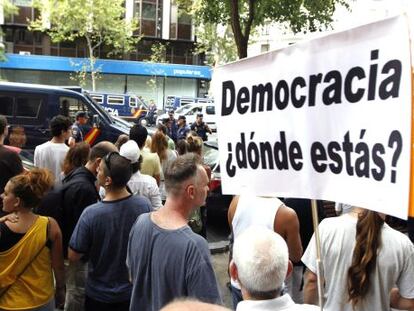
(220, 263)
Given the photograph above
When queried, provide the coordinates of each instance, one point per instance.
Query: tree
(9, 9)
(245, 15)
(217, 43)
(98, 22)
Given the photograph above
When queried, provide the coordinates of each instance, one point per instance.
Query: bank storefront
(151, 81)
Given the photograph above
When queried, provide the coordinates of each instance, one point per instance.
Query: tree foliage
(98, 22)
(217, 43)
(9, 9)
(245, 15)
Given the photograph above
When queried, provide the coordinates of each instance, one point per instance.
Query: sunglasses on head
(107, 160)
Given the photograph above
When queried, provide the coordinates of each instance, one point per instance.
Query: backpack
(52, 203)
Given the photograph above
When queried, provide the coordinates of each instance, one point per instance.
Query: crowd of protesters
(122, 227)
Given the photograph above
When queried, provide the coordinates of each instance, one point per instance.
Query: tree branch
(235, 25)
(249, 22)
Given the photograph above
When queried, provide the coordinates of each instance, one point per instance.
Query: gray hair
(261, 257)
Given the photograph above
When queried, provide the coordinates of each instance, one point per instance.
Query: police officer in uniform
(78, 128)
(200, 127)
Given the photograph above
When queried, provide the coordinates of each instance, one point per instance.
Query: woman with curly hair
(367, 265)
(30, 247)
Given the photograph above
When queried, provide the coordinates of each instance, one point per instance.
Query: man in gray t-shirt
(166, 260)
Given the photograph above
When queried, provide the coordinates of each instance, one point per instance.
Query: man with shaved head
(166, 259)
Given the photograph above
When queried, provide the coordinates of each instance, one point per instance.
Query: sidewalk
(220, 264)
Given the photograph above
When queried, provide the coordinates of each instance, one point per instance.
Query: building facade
(160, 22)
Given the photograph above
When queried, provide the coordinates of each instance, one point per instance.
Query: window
(133, 102)
(98, 98)
(6, 105)
(69, 106)
(264, 48)
(194, 111)
(149, 13)
(210, 110)
(28, 107)
(115, 100)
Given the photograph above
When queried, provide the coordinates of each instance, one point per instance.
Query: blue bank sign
(54, 63)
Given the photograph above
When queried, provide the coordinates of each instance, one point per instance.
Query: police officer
(183, 128)
(78, 127)
(200, 127)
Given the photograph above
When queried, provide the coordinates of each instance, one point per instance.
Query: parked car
(191, 111)
(217, 203)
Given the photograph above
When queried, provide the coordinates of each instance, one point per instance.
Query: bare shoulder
(54, 229)
(287, 214)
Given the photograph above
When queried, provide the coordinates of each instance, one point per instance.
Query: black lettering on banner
(227, 109)
(318, 155)
(282, 87)
(231, 169)
(362, 162)
(297, 102)
(241, 155)
(373, 70)
(314, 80)
(295, 156)
(332, 93)
(393, 81)
(337, 157)
(266, 149)
(243, 97)
(280, 153)
(262, 91)
(353, 97)
(377, 151)
(263, 96)
(253, 153)
(348, 148)
(333, 148)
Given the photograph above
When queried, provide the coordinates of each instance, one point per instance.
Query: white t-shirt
(395, 265)
(254, 211)
(146, 186)
(51, 155)
(283, 303)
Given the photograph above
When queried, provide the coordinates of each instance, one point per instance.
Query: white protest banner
(326, 119)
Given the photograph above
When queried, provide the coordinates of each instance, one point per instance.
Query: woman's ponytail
(364, 260)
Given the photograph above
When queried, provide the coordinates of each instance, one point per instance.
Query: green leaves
(299, 15)
(99, 22)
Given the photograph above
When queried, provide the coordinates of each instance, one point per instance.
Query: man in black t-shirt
(10, 163)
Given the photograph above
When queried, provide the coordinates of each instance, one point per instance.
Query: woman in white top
(367, 265)
(159, 145)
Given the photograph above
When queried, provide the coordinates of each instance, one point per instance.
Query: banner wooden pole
(319, 266)
(411, 200)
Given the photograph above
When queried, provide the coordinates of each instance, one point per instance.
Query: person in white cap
(140, 184)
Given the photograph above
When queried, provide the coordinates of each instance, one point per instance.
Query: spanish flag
(91, 136)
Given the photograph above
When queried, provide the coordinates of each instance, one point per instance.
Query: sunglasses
(107, 161)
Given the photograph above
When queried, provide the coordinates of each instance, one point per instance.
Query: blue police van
(29, 108)
(127, 106)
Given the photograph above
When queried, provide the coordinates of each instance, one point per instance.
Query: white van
(190, 112)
